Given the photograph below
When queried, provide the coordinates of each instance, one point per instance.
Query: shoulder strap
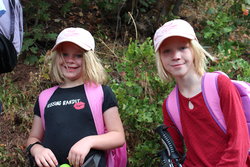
(173, 108)
(43, 100)
(12, 19)
(95, 98)
(212, 99)
(114, 157)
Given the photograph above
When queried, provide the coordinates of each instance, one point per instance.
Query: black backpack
(8, 58)
(11, 34)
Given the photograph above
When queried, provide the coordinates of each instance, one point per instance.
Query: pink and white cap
(177, 27)
(78, 36)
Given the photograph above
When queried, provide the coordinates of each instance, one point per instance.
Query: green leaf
(31, 60)
(211, 11)
(227, 29)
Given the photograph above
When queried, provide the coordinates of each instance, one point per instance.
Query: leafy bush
(140, 94)
(219, 28)
(34, 37)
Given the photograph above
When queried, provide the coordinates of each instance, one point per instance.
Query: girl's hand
(79, 151)
(44, 157)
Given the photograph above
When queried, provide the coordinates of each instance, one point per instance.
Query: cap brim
(164, 37)
(83, 46)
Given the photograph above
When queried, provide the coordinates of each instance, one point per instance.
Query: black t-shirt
(68, 119)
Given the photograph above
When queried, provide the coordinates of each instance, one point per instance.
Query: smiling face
(177, 57)
(71, 62)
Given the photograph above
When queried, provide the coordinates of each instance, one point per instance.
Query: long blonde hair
(200, 61)
(93, 71)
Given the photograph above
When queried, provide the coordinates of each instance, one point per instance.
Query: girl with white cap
(70, 135)
(179, 56)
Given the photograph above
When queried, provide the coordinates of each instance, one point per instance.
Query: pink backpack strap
(95, 98)
(212, 99)
(117, 157)
(173, 108)
(114, 157)
(43, 99)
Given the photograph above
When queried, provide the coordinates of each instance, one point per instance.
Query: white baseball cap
(78, 36)
(177, 27)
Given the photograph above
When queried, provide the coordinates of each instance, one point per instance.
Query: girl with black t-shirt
(70, 135)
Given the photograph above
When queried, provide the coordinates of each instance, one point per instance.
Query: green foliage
(145, 5)
(9, 98)
(110, 6)
(37, 10)
(223, 21)
(31, 43)
(14, 97)
(34, 37)
(219, 32)
(147, 149)
(7, 158)
(66, 8)
(231, 62)
(16, 103)
(114, 5)
(219, 28)
(140, 94)
(3, 154)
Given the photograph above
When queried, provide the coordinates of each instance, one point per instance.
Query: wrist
(89, 141)
(28, 149)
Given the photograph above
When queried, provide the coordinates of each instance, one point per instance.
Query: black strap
(172, 153)
(93, 161)
(12, 18)
(30, 157)
(31, 145)
(183, 144)
(8, 58)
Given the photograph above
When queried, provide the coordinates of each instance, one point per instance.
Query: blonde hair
(93, 71)
(200, 61)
